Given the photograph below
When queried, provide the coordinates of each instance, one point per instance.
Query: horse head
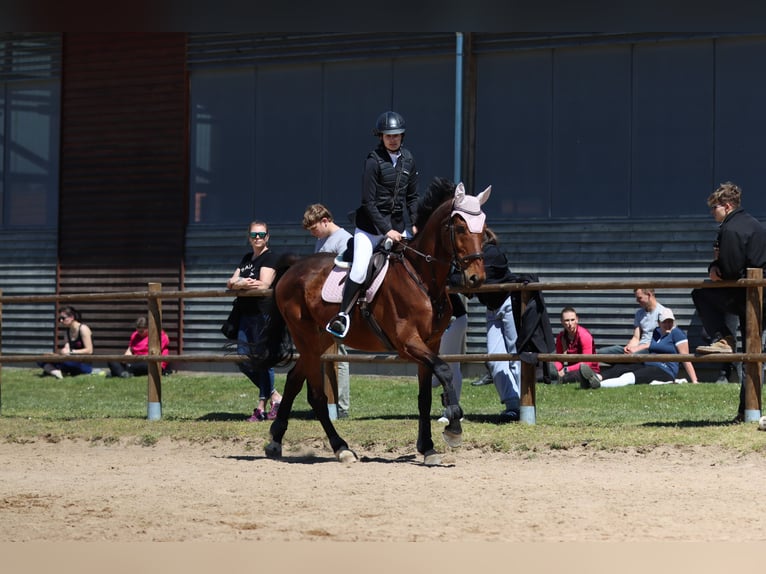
(466, 234)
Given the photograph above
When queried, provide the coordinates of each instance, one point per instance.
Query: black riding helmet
(389, 123)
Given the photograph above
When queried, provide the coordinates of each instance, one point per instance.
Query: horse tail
(274, 347)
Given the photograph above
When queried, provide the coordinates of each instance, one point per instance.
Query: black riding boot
(339, 324)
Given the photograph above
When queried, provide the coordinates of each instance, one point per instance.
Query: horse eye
(460, 228)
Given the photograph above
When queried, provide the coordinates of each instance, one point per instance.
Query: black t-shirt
(250, 268)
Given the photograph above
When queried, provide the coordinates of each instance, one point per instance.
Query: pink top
(582, 344)
(139, 345)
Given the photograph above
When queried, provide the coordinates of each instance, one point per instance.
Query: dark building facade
(142, 157)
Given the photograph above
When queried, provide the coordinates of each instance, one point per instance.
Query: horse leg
(425, 443)
(318, 401)
(453, 413)
(293, 386)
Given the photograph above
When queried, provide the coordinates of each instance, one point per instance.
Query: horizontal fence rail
(754, 284)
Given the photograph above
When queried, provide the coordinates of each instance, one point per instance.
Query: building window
(30, 111)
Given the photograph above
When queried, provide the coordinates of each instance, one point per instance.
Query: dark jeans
(249, 340)
(714, 304)
(644, 374)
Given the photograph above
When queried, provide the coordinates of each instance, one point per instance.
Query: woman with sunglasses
(256, 270)
(79, 341)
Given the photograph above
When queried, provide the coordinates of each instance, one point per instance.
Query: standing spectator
(256, 270)
(389, 186)
(138, 344)
(79, 341)
(575, 339)
(331, 238)
(740, 244)
(666, 339)
(502, 334)
(644, 323)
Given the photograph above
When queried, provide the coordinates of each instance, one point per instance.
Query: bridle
(460, 263)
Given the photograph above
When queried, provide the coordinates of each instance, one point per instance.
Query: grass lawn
(203, 407)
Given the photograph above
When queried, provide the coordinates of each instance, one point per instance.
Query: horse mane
(439, 190)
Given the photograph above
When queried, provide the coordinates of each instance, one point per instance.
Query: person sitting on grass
(574, 339)
(79, 341)
(666, 339)
(139, 345)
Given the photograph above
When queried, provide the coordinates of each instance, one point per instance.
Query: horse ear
(459, 191)
(484, 195)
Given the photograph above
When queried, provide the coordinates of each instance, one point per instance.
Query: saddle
(332, 290)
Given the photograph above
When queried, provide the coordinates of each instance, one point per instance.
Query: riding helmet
(389, 123)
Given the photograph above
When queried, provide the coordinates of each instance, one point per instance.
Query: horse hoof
(432, 458)
(452, 439)
(273, 450)
(346, 456)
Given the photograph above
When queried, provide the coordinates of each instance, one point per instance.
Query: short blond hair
(726, 193)
(315, 213)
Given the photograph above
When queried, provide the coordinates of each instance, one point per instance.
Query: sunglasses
(63, 318)
(258, 234)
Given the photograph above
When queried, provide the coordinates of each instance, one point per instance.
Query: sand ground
(221, 492)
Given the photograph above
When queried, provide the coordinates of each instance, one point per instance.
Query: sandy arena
(221, 492)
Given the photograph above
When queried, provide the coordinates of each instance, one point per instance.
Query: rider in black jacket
(389, 186)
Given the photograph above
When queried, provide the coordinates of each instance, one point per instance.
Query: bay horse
(411, 308)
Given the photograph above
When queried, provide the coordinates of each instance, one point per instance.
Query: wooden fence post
(528, 378)
(753, 328)
(154, 368)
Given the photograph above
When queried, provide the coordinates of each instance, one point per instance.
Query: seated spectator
(139, 345)
(575, 339)
(666, 339)
(644, 323)
(79, 341)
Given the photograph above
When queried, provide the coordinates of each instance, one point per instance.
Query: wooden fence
(753, 357)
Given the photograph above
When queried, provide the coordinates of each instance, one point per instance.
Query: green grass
(208, 407)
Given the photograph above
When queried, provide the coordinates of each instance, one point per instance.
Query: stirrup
(339, 325)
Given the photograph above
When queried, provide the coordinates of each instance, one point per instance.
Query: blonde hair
(315, 213)
(726, 193)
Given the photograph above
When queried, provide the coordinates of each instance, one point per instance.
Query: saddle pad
(332, 290)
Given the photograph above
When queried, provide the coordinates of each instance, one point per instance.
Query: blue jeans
(501, 338)
(250, 328)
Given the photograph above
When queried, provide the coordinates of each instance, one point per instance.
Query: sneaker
(257, 416)
(589, 379)
(724, 345)
(338, 326)
(273, 412)
(342, 413)
(485, 380)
